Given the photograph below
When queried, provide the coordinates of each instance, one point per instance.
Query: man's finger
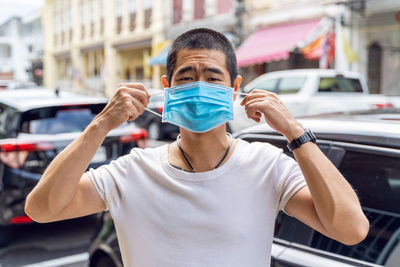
(142, 96)
(133, 112)
(254, 107)
(138, 104)
(138, 86)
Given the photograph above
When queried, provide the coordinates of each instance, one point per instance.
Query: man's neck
(203, 150)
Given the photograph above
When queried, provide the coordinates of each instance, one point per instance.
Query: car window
(339, 84)
(376, 179)
(8, 121)
(3, 121)
(157, 98)
(290, 85)
(265, 84)
(58, 120)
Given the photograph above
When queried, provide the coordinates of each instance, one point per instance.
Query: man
(205, 200)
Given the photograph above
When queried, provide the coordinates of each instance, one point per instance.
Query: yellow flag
(348, 50)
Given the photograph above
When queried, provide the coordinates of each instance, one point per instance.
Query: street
(64, 243)
(37, 243)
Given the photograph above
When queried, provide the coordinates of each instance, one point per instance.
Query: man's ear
(236, 85)
(164, 81)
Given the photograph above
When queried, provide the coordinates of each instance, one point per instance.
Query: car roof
(319, 72)
(26, 99)
(361, 129)
(303, 72)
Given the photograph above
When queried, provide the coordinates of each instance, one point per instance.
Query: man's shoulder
(261, 147)
(251, 152)
(149, 152)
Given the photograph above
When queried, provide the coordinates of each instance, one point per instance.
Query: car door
(283, 238)
(374, 173)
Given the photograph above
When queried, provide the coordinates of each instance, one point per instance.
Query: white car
(309, 92)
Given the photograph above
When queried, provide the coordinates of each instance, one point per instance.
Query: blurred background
(89, 46)
(334, 63)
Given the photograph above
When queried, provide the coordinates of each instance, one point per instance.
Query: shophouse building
(21, 48)
(376, 38)
(93, 45)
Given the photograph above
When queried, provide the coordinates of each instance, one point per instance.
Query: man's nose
(200, 78)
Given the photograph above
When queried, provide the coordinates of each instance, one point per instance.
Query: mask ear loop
(151, 111)
(243, 94)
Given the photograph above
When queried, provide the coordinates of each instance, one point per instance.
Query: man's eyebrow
(214, 70)
(184, 69)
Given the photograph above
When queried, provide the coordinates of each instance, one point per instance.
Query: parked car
(156, 129)
(310, 92)
(35, 125)
(365, 147)
(395, 100)
(11, 85)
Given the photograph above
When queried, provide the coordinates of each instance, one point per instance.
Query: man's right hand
(127, 103)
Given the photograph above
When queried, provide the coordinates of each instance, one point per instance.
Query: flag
(327, 57)
(320, 44)
(351, 55)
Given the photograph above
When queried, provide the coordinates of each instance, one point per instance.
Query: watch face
(312, 135)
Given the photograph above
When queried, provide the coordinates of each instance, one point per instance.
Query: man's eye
(186, 79)
(214, 79)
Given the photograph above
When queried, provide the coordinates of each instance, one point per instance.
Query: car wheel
(104, 261)
(6, 235)
(154, 131)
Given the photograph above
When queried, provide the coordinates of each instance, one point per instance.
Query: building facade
(375, 29)
(21, 48)
(367, 37)
(93, 45)
(280, 28)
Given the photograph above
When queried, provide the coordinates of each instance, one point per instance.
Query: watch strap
(308, 136)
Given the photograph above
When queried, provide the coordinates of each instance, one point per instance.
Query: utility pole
(239, 30)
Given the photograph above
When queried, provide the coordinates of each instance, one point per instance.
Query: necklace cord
(187, 160)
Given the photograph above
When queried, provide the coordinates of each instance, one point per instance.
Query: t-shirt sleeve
(290, 179)
(108, 180)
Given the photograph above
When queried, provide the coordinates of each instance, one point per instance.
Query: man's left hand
(277, 116)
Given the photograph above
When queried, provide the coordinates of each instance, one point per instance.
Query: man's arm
(64, 191)
(327, 203)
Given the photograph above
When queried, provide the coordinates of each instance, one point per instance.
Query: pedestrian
(207, 199)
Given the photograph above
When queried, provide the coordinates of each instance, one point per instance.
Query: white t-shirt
(224, 217)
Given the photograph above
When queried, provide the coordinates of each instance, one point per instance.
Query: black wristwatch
(308, 136)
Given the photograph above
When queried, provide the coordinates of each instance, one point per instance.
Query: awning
(160, 58)
(133, 44)
(273, 42)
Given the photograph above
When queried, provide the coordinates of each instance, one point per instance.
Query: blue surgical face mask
(198, 106)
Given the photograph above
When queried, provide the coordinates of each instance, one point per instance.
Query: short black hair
(202, 38)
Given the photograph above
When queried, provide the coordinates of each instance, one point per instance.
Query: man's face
(200, 65)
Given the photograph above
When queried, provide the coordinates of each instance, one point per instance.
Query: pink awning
(273, 42)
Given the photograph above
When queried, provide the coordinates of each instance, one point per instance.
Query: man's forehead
(200, 58)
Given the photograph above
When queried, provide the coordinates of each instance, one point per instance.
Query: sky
(9, 8)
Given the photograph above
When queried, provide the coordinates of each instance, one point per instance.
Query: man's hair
(202, 38)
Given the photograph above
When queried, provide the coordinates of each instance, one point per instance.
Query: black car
(156, 129)
(366, 149)
(35, 125)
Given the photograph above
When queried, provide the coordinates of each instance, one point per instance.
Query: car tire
(6, 235)
(154, 131)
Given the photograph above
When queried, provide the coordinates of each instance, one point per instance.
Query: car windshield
(339, 84)
(58, 121)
